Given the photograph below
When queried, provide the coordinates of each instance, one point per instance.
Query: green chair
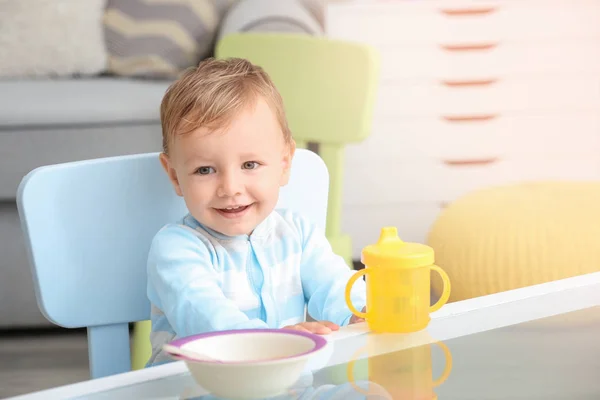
(329, 89)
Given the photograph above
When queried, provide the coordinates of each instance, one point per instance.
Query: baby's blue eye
(250, 165)
(205, 170)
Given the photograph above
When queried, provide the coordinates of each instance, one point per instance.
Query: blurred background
(479, 129)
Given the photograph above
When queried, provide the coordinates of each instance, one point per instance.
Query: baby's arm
(184, 284)
(324, 276)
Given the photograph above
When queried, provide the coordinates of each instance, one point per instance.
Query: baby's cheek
(267, 189)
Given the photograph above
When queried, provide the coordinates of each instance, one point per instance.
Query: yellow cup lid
(391, 252)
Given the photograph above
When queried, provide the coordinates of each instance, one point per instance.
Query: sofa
(54, 121)
(75, 85)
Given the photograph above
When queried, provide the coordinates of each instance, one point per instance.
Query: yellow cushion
(503, 238)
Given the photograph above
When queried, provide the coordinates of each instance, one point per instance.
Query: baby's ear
(171, 172)
(286, 162)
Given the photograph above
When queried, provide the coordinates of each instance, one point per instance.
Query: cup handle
(349, 285)
(350, 371)
(448, 369)
(445, 293)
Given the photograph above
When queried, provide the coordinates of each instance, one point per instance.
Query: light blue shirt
(201, 281)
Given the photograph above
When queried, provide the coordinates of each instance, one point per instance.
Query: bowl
(252, 364)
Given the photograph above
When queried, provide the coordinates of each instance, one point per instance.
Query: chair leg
(108, 350)
(140, 346)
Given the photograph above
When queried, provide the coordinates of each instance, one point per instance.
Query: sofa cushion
(51, 38)
(22, 150)
(79, 102)
(316, 8)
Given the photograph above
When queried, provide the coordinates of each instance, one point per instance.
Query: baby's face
(230, 178)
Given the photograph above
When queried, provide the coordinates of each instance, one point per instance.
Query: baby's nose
(230, 185)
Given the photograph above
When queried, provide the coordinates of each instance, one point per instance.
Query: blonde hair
(212, 93)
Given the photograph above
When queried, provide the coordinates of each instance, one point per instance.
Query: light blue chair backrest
(88, 227)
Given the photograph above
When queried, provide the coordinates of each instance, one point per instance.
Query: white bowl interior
(247, 346)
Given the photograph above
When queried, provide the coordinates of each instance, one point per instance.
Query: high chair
(88, 226)
(328, 88)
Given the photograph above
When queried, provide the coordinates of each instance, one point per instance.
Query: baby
(234, 262)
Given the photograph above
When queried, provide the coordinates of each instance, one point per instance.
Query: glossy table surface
(538, 342)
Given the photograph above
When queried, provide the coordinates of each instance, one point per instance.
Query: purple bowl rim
(319, 341)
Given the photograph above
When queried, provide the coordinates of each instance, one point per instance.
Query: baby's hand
(318, 327)
(355, 320)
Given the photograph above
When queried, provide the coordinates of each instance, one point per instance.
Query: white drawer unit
(455, 98)
(444, 22)
(566, 58)
(472, 94)
(364, 225)
(573, 135)
(377, 181)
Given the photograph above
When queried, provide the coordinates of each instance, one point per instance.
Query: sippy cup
(398, 284)
(402, 364)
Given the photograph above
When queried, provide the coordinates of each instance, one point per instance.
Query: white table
(534, 342)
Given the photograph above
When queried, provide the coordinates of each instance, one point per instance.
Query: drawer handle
(468, 162)
(477, 82)
(467, 12)
(469, 118)
(469, 47)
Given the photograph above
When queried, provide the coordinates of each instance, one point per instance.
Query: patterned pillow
(160, 38)
(289, 16)
(316, 8)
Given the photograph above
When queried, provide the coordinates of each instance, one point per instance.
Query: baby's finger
(330, 325)
(297, 328)
(317, 327)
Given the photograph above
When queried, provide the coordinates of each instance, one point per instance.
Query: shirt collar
(261, 232)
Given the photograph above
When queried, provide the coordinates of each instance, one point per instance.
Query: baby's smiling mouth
(233, 211)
